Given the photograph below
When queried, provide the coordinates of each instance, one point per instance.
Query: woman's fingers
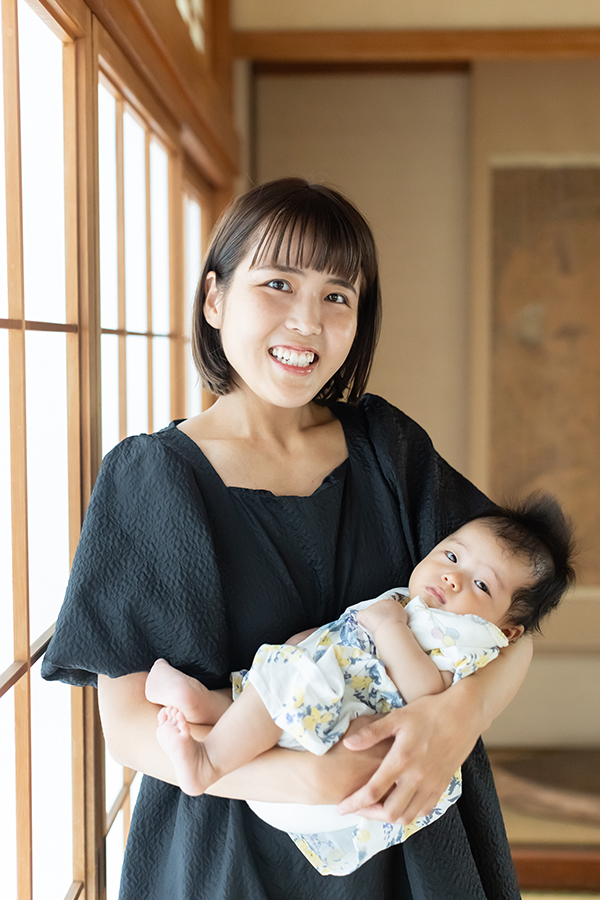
(429, 745)
(378, 729)
(376, 788)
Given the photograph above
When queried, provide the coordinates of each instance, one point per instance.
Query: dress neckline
(334, 477)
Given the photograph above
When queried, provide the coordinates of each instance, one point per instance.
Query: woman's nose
(452, 580)
(305, 315)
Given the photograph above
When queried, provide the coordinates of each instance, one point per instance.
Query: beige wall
(397, 146)
(358, 14)
(524, 111)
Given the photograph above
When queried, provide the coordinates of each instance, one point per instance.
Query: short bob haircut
(295, 223)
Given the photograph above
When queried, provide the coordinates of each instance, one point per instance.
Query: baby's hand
(381, 613)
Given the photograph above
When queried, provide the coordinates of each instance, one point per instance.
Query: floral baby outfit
(313, 690)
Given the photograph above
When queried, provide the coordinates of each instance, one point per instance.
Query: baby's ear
(513, 632)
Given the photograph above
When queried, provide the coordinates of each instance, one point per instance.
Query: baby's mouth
(302, 359)
(439, 595)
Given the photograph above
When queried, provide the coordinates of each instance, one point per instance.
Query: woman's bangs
(310, 239)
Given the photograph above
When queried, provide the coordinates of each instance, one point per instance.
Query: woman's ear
(213, 301)
(513, 632)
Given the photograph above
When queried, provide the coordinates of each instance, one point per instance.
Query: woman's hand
(432, 737)
(428, 747)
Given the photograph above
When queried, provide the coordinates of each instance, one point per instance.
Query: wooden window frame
(90, 53)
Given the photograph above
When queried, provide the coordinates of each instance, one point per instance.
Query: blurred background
(469, 136)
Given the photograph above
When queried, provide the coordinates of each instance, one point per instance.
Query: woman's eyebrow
(295, 270)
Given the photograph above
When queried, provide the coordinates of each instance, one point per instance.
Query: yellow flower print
(410, 829)
(362, 835)
(316, 717)
(341, 656)
(383, 705)
(311, 856)
(236, 684)
(360, 682)
(298, 696)
(325, 640)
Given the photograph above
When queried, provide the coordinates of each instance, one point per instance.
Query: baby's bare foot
(190, 760)
(170, 687)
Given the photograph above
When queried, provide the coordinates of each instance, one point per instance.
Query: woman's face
(285, 330)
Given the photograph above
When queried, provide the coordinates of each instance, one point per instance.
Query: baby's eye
(451, 556)
(278, 284)
(482, 586)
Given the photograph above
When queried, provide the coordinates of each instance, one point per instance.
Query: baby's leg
(243, 732)
(170, 687)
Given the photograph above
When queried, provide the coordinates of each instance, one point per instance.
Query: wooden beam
(195, 104)
(557, 868)
(459, 45)
(360, 68)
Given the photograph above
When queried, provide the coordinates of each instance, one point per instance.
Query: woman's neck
(254, 445)
(251, 419)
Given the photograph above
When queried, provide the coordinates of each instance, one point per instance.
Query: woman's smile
(295, 358)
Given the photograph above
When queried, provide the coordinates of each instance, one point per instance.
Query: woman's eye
(482, 586)
(451, 556)
(278, 284)
(337, 298)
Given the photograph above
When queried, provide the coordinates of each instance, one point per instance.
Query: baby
(479, 589)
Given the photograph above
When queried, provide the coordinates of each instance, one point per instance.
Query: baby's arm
(411, 669)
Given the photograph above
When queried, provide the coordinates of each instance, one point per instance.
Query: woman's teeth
(292, 357)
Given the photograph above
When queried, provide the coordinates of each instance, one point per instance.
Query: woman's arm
(129, 723)
(432, 737)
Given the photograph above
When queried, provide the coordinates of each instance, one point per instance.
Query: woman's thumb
(368, 735)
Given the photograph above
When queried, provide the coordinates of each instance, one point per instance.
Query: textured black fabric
(172, 563)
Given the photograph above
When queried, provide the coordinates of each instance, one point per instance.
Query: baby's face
(472, 572)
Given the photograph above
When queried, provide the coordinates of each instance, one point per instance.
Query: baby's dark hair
(538, 530)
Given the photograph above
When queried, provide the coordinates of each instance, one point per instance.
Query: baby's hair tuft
(537, 529)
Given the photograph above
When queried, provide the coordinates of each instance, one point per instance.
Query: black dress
(173, 563)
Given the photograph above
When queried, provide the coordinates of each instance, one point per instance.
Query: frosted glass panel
(113, 779)
(161, 377)
(194, 388)
(114, 858)
(47, 476)
(193, 237)
(134, 173)
(3, 287)
(193, 249)
(6, 618)
(51, 788)
(110, 391)
(159, 199)
(8, 823)
(42, 162)
(137, 385)
(107, 149)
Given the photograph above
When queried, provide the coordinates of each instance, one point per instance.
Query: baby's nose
(451, 581)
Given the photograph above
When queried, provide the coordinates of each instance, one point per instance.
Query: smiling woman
(266, 514)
